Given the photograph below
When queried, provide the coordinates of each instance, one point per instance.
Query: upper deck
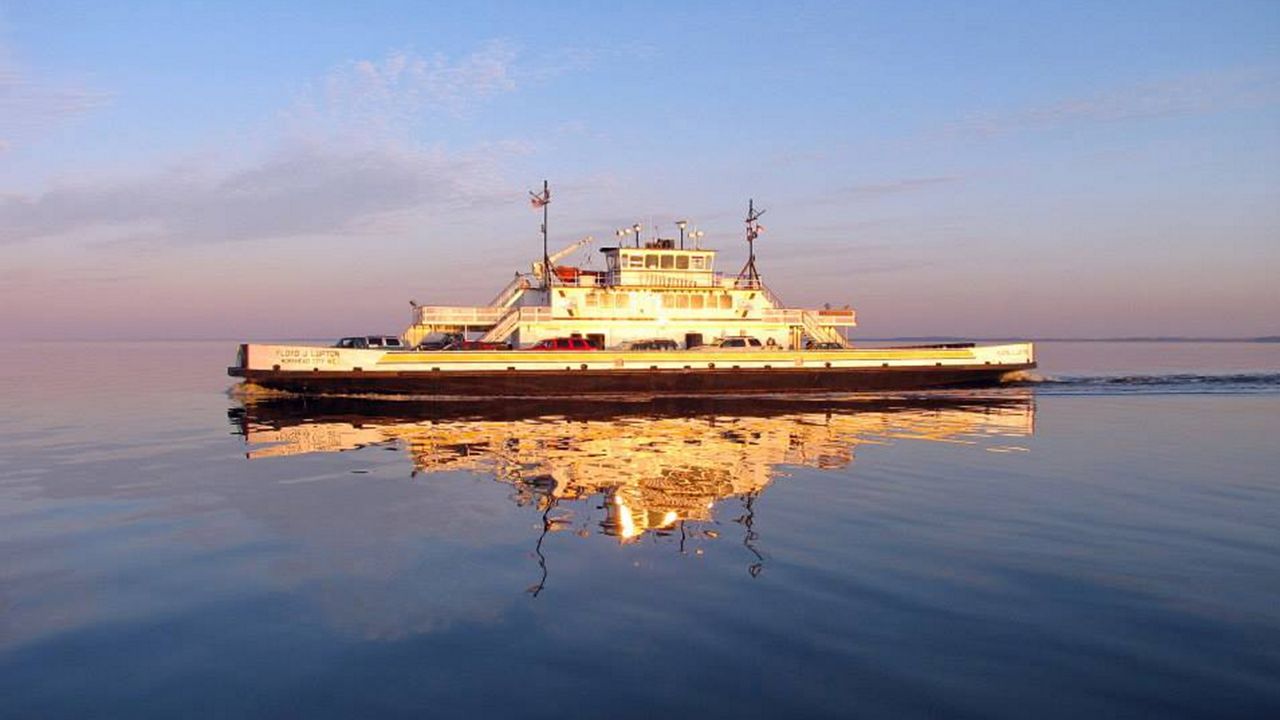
(659, 264)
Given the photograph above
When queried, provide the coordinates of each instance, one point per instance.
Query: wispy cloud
(404, 87)
(26, 278)
(899, 186)
(345, 160)
(29, 105)
(1188, 95)
(894, 187)
(309, 190)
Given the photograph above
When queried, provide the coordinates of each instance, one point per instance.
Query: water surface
(1101, 542)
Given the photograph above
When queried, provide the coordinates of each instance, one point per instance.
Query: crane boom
(562, 252)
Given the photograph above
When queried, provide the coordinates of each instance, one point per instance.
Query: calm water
(1103, 542)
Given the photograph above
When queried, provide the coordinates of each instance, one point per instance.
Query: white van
(388, 342)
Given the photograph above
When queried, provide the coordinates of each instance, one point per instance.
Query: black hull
(583, 383)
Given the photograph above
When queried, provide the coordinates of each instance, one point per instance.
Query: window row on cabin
(696, 301)
(692, 301)
(665, 261)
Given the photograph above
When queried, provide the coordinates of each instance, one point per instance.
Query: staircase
(502, 329)
(511, 292)
(821, 333)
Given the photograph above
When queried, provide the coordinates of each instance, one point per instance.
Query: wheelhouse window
(651, 261)
(635, 261)
(668, 262)
(682, 262)
(697, 262)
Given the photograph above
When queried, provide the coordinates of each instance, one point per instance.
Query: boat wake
(1172, 383)
(250, 391)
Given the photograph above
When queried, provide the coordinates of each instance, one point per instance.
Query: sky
(988, 169)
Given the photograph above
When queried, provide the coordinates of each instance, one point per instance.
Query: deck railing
(440, 315)
(637, 278)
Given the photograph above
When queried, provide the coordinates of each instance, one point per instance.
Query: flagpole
(546, 256)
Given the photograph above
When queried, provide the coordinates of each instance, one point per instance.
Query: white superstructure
(654, 291)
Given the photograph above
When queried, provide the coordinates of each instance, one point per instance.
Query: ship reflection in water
(667, 468)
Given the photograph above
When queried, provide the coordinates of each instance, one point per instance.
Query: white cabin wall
(646, 314)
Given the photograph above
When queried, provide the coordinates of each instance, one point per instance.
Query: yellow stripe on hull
(536, 356)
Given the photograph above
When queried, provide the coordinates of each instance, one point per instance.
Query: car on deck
(650, 344)
(371, 342)
(562, 344)
(476, 345)
(741, 342)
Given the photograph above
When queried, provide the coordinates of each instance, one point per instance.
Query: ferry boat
(659, 320)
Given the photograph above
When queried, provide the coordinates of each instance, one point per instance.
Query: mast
(542, 200)
(754, 228)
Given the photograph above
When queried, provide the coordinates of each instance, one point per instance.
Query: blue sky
(303, 169)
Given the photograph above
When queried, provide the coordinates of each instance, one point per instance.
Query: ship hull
(314, 370)
(579, 383)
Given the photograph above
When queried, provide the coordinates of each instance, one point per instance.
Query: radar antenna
(754, 229)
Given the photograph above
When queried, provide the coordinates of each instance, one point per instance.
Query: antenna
(754, 229)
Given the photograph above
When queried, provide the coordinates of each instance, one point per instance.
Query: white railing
(782, 315)
(774, 299)
(639, 278)
(438, 315)
(818, 325)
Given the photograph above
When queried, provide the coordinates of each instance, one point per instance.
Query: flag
(540, 200)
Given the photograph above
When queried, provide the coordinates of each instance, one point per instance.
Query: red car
(569, 343)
